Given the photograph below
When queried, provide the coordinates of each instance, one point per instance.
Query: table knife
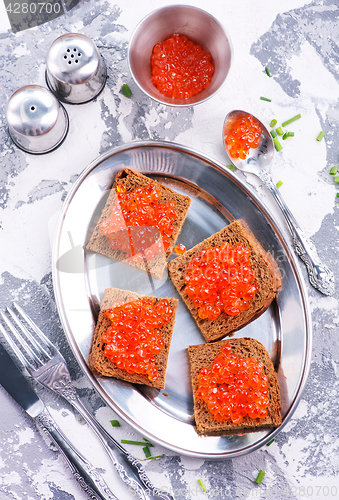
(12, 379)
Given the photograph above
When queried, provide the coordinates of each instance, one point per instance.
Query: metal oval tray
(80, 277)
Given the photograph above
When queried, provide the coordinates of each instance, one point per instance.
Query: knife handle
(83, 471)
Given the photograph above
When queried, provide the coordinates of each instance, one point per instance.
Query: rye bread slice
(99, 243)
(268, 279)
(202, 356)
(103, 366)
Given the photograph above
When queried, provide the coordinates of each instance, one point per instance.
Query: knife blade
(13, 381)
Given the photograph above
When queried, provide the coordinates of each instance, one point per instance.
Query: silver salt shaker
(75, 71)
(37, 122)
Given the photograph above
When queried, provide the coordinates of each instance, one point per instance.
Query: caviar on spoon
(256, 161)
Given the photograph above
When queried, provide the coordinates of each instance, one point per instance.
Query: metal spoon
(256, 163)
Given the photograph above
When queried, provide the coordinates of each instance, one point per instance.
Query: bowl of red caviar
(179, 55)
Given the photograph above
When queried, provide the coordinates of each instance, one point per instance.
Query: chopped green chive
(265, 99)
(279, 131)
(277, 144)
(273, 133)
(126, 90)
(139, 443)
(288, 134)
(270, 442)
(320, 136)
(287, 122)
(273, 123)
(151, 458)
(231, 167)
(267, 71)
(260, 477)
(115, 423)
(146, 451)
(336, 178)
(279, 183)
(333, 170)
(201, 483)
(337, 195)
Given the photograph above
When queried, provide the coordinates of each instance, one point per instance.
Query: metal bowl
(75, 71)
(200, 27)
(37, 122)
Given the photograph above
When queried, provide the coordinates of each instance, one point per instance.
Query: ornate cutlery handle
(320, 276)
(84, 472)
(129, 468)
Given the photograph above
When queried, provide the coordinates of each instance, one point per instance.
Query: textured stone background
(299, 42)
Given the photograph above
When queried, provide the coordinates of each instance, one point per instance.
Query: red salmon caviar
(134, 336)
(234, 388)
(139, 224)
(221, 280)
(180, 68)
(179, 249)
(242, 134)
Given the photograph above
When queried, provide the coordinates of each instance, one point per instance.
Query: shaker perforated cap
(75, 70)
(37, 122)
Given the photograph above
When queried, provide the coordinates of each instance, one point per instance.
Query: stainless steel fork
(47, 366)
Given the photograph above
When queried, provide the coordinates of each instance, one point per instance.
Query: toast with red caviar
(240, 257)
(140, 245)
(103, 365)
(245, 375)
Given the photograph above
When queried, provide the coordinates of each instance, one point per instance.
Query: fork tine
(28, 335)
(35, 328)
(26, 363)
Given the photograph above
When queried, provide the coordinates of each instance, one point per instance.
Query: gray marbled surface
(299, 42)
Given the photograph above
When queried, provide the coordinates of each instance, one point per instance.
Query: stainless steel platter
(80, 277)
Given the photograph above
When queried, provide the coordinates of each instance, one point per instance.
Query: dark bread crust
(202, 356)
(99, 364)
(268, 279)
(99, 243)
